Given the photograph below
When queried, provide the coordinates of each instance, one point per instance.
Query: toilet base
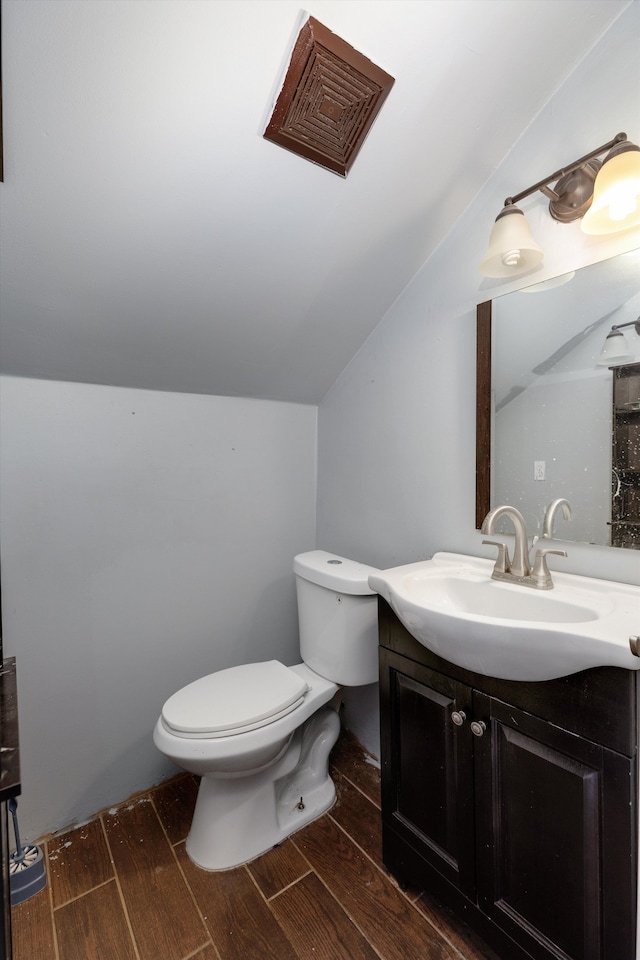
(237, 819)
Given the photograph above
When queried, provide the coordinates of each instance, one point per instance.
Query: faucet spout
(519, 566)
(550, 516)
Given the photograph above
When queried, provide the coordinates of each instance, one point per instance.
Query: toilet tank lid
(246, 696)
(336, 573)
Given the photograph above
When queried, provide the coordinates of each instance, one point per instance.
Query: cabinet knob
(478, 728)
(458, 717)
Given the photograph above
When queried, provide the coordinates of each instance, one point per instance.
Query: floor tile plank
(358, 817)
(78, 861)
(175, 801)
(351, 759)
(317, 925)
(392, 925)
(463, 938)
(94, 927)
(163, 915)
(32, 929)
(209, 953)
(241, 924)
(278, 868)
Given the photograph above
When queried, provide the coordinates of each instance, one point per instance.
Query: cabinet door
(427, 770)
(555, 837)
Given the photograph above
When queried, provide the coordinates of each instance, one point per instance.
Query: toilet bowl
(259, 735)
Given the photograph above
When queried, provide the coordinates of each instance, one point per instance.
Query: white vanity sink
(451, 605)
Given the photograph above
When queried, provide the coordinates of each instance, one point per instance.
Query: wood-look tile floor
(122, 888)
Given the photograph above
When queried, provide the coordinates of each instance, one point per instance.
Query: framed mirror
(544, 410)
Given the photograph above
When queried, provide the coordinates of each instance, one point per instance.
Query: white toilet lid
(234, 700)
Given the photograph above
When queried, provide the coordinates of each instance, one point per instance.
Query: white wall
(397, 431)
(147, 539)
(568, 428)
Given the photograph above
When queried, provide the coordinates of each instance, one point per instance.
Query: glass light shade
(616, 195)
(615, 349)
(512, 249)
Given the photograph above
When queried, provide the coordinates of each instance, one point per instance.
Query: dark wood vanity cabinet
(513, 803)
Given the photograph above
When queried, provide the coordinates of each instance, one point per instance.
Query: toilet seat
(234, 700)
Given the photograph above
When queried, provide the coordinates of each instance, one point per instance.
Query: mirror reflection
(547, 424)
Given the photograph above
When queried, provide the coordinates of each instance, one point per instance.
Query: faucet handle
(540, 572)
(503, 563)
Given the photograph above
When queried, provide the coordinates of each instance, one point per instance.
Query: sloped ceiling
(151, 237)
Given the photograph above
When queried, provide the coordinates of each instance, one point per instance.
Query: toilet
(259, 735)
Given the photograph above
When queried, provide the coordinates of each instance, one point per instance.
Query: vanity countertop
(9, 744)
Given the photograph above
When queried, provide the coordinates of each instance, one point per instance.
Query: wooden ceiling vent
(330, 97)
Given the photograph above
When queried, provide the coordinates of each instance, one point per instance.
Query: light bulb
(616, 194)
(621, 204)
(511, 258)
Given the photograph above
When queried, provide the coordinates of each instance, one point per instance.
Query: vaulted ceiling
(151, 237)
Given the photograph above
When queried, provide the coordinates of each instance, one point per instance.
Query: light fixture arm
(631, 323)
(543, 185)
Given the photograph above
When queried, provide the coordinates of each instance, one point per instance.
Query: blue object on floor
(27, 874)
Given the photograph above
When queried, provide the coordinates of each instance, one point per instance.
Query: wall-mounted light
(605, 193)
(616, 347)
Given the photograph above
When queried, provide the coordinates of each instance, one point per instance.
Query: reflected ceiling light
(611, 188)
(549, 284)
(616, 348)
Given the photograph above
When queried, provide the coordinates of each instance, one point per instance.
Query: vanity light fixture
(616, 347)
(605, 192)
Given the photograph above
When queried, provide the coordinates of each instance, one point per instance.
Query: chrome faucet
(519, 570)
(519, 566)
(550, 516)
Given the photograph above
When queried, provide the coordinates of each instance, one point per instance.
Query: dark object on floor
(26, 865)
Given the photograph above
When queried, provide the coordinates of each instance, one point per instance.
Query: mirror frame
(483, 411)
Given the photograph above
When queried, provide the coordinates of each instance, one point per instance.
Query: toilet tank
(338, 618)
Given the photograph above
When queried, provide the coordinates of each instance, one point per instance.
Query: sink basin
(494, 599)
(451, 605)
